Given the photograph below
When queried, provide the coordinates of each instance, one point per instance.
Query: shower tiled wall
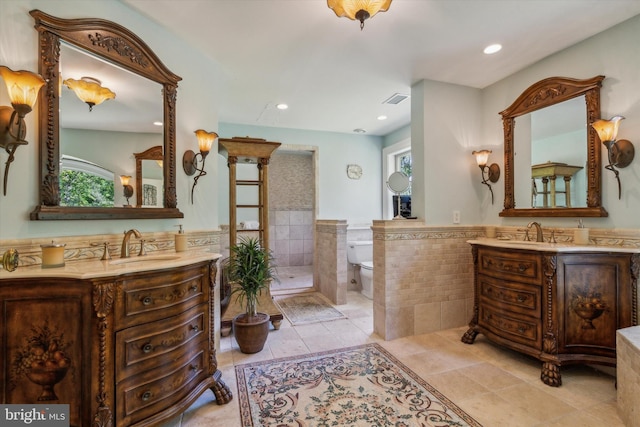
(291, 199)
(292, 237)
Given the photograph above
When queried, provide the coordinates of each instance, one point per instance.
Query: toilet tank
(359, 251)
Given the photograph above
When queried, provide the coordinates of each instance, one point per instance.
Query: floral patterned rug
(308, 308)
(356, 386)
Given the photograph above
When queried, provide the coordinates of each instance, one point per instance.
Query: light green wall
(357, 201)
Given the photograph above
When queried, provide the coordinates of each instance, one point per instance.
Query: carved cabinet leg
(550, 374)
(469, 336)
(220, 390)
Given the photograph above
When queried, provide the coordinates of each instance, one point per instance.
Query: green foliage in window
(85, 189)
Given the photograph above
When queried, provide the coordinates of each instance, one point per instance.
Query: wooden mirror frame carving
(153, 153)
(543, 94)
(116, 44)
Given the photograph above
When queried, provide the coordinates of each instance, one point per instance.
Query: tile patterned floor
(496, 386)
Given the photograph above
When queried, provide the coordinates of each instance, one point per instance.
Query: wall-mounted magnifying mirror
(398, 183)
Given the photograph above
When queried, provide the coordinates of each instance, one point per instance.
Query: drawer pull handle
(195, 328)
(520, 329)
(521, 298)
(146, 395)
(146, 301)
(147, 348)
(194, 288)
(194, 367)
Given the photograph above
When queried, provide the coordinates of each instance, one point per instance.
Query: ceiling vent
(395, 99)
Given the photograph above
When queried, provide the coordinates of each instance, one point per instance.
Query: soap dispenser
(181, 240)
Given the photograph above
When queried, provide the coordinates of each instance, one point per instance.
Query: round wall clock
(354, 171)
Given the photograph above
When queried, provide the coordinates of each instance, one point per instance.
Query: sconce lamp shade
(607, 129)
(205, 141)
(489, 173)
(190, 159)
(620, 152)
(360, 10)
(22, 86)
(89, 90)
(482, 157)
(124, 179)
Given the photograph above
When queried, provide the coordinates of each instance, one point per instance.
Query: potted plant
(250, 270)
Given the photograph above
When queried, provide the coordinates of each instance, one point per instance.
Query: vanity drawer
(149, 346)
(513, 296)
(160, 295)
(145, 395)
(523, 266)
(521, 329)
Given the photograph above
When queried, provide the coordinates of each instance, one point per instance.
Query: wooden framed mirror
(111, 45)
(523, 167)
(148, 179)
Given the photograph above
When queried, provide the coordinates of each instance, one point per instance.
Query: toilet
(361, 253)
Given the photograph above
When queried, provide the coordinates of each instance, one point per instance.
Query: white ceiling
(335, 77)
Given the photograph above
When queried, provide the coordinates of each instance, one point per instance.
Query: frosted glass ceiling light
(360, 10)
(89, 90)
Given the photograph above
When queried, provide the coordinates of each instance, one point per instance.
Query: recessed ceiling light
(359, 130)
(282, 106)
(493, 48)
(157, 123)
(382, 117)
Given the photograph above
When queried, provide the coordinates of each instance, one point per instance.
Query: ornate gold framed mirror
(521, 171)
(115, 45)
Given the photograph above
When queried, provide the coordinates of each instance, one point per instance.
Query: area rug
(356, 386)
(308, 308)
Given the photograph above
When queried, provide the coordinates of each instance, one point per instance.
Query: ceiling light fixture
(383, 117)
(282, 106)
(359, 130)
(493, 48)
(89, 90)
(360, 10)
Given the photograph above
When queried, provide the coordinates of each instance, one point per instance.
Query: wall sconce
(190, 159)
(489, 173)
(23, 88)
(127, 189)
(89, 90)
(620, 151)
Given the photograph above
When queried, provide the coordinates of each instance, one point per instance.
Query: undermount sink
(144, 258)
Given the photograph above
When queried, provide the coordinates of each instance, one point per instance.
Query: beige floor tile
(496, 386)
(537, 403)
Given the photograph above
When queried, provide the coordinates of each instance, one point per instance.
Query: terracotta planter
(251, 332)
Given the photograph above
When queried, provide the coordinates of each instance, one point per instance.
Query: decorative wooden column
(253, 151)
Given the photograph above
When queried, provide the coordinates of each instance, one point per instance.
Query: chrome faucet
(124, 251)
(539, 236)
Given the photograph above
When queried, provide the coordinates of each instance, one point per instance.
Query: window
(83, 183)
(396, 157)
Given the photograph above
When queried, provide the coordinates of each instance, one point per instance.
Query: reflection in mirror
(551, 154)
(149, 182)
(112, 129)
(145, 92)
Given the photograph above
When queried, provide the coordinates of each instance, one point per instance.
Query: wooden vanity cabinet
(138, 347)
(560, 307)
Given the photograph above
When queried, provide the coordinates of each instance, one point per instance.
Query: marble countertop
(550, 247)
(95, 268)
